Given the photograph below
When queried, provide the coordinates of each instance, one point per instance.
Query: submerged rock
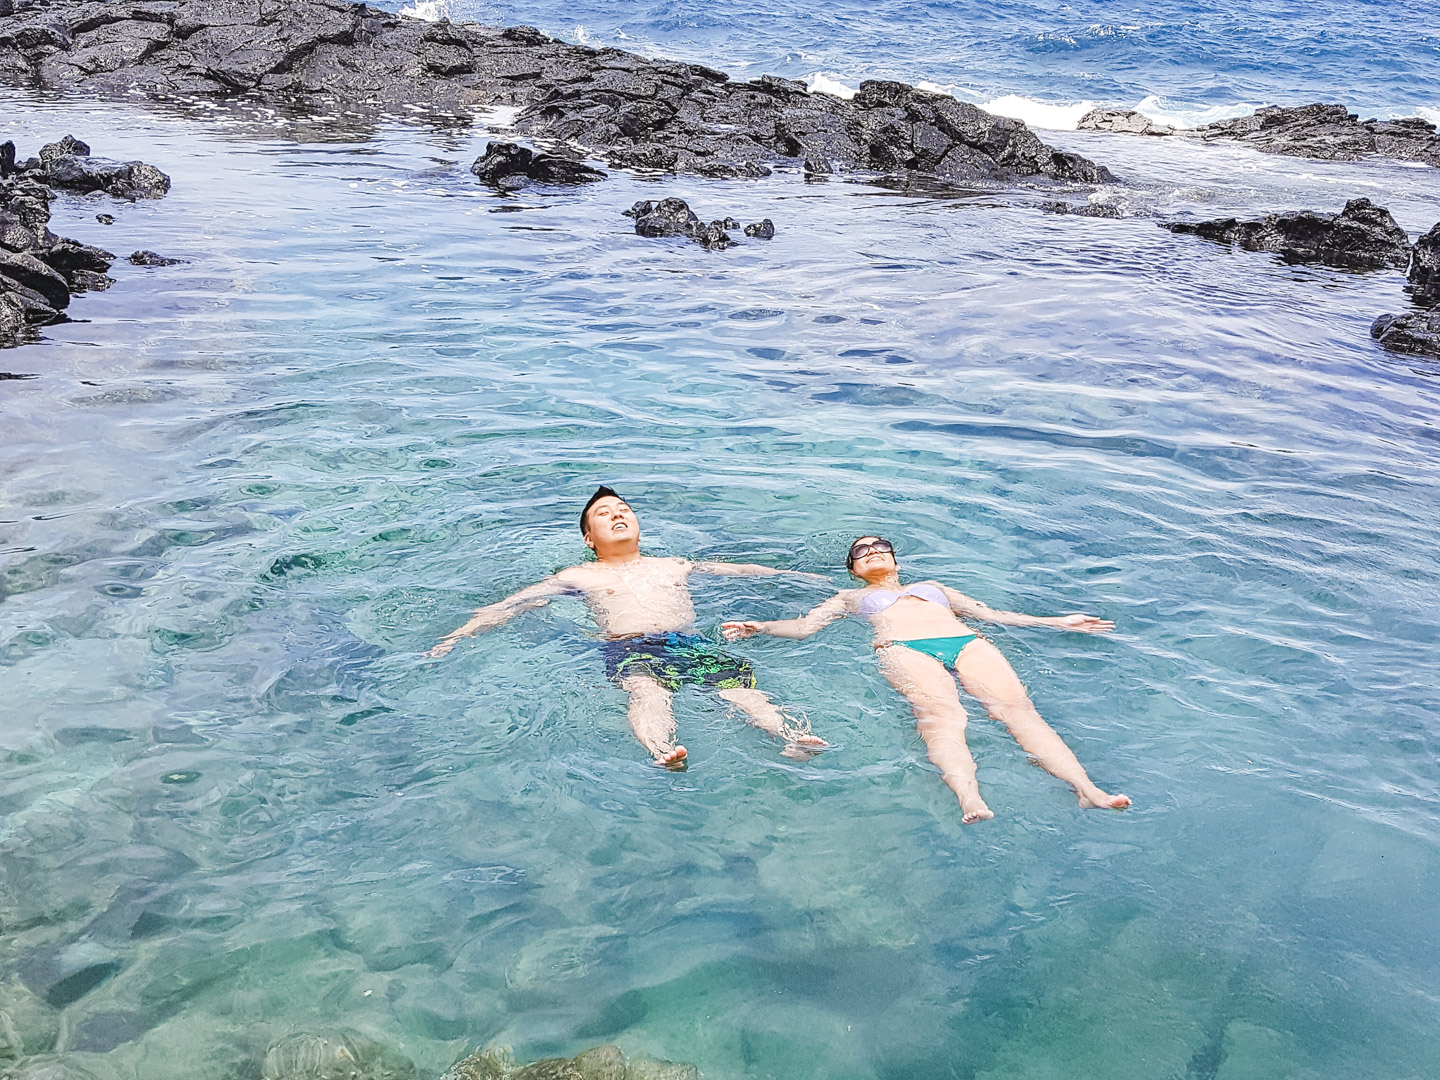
(1100, 210)
(1331, 132)
(508, 166)
(1416, 332)
(673, 217)
(335, 1055)
(1425, 268)
(149, 258)
(1363, 236)
(598, 1063)
(764, 229)
(640, 113)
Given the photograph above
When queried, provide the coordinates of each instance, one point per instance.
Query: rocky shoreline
(39, 271)
(632, 111)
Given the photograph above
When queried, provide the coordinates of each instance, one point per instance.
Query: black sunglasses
(859, 551)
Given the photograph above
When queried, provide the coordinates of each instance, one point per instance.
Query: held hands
(1085, 624)
(739, 629)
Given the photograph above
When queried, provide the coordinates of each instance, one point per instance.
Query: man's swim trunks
(675, 660)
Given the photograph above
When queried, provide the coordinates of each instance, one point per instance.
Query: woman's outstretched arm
(969, 608)
(813, 621)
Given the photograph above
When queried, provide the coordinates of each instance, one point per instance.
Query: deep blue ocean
(241, 496)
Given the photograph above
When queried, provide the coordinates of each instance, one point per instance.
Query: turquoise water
(245, 493)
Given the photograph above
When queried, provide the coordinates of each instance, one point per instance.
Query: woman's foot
(803, 746)
(973, 809)
(1092, 798)
(672, 758)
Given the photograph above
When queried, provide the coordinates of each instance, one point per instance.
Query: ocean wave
(1051, 116)
(820, 82)
(429, 10)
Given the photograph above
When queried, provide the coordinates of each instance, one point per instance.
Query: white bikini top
(876, 602)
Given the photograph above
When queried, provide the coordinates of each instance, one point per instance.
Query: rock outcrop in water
(1425, 268)
(39, 271)
(639, 113)
(599, 1063)
(1416, 332)
(1331, 132)
(1361, 237)
(507, 166)
(673, 217)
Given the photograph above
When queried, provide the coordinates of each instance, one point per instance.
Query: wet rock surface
(673, 217)
(599, 1063)
(150, 258)
(1425, 268)
(640, 113)
(1330, 132)
(1122, 122)
(1416, 332)
(507, 166)
(1361, 237)
(39, 271)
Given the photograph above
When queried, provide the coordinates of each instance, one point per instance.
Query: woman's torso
(910, 613)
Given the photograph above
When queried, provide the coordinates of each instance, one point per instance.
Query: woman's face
(872, 565)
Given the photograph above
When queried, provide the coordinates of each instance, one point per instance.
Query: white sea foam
(429, 10)
(1433, 115)
(582, 36)
(1180, 115)
(498, 117)
(821, 83)
(1038, 114)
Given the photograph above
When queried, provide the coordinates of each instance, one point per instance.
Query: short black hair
(602, 492)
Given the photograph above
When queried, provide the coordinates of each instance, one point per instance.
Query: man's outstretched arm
(501, 612)
(740, 569)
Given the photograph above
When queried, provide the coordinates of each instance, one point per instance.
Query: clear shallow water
(245, 494)
(1180, 60)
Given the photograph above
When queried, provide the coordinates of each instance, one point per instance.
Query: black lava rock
(507, 166)
(1331, 132)
(639, 113)
(149, 258)
(1361, 237)
(764, 229)
(668, 217)
(1097, 210)
(123, 179)
(105, 219)
(1425, 268)
(1416, 332)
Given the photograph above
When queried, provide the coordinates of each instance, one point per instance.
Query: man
(643, 606)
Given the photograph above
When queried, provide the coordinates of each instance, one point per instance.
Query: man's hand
(1085, 624)
(440, 650)
(738, 630)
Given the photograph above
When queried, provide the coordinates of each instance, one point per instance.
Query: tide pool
(245, 493)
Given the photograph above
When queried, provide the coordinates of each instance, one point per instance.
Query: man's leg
(653, 720)
(988, 677)
(764, 714)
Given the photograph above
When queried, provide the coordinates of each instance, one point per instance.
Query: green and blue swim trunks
(676, 660)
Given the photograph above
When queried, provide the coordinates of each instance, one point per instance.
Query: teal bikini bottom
(944, 649)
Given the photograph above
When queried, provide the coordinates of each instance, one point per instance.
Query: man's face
(611, 520)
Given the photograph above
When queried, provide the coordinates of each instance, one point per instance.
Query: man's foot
(674, 758)
(1092, 798)
(973, 809)
(803, 747)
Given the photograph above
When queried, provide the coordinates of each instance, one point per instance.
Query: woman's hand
(739, 629)
(1085, 624)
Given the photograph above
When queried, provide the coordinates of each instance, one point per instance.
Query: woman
(917, 637)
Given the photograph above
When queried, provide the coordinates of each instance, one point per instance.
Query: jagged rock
(1331, 132)
(89, 281)
(13, 323)
(713, 236)
(69, 256)
(7, 155)
(30, 273)
(639, 113)
(1414, 332)
(1100, 210)
(105, 219)
(1122, 122)
(336, 1055)
(1361, 237)
(69, 146)
(668, 217)
(764, 229)
(149, 258)
(599, 1063)
(508, 166)
(123, 179)
(1425, 268)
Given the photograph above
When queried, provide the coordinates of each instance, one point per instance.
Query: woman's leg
(988, 677)
(940, 719)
